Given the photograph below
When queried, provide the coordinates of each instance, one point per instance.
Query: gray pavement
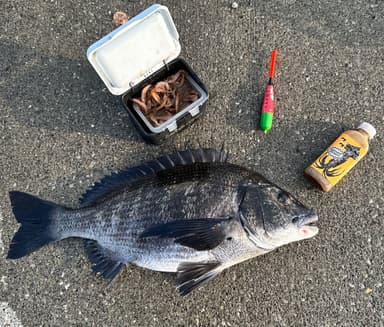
(61, 130)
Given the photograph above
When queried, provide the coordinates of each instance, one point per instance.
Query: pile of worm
(160, 101)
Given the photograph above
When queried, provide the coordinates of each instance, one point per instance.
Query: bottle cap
(371, 131)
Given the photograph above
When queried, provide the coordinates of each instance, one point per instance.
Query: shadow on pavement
(62, 94)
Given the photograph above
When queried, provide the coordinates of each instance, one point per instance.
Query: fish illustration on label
(339, 158)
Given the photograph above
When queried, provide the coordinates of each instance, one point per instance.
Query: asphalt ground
(61, 130)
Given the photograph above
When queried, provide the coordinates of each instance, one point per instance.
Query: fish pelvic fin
(35, 216)
(194, 275)
(104, 262)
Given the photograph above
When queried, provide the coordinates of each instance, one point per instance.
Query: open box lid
(135, 50)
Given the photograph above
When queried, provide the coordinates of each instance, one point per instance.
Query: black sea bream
(191, 212)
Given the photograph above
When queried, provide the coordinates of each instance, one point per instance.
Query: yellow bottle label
(341, 156)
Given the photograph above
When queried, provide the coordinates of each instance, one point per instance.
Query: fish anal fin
(104, 262)
(199, 234)
(193, 275)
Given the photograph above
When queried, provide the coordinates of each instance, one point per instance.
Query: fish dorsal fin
(129, 176)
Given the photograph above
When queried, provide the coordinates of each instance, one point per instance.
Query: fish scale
(96, 222)
(191, 212)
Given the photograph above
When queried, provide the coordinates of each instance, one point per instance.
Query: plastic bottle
(341, 156)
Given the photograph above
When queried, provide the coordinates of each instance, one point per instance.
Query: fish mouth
(309, 220)
(307, 225)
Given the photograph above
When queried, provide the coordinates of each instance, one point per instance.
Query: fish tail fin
(35, 216)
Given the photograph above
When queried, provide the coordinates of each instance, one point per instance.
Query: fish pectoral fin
(199, 234)
(104, 261)
(194, 275)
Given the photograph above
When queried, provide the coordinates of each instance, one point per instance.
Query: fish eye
(283, 198)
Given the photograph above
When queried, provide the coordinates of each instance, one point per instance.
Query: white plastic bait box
(143, 51)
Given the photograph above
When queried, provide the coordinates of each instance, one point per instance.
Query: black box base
(182, 122)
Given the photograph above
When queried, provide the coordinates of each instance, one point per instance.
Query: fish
(192, 213)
